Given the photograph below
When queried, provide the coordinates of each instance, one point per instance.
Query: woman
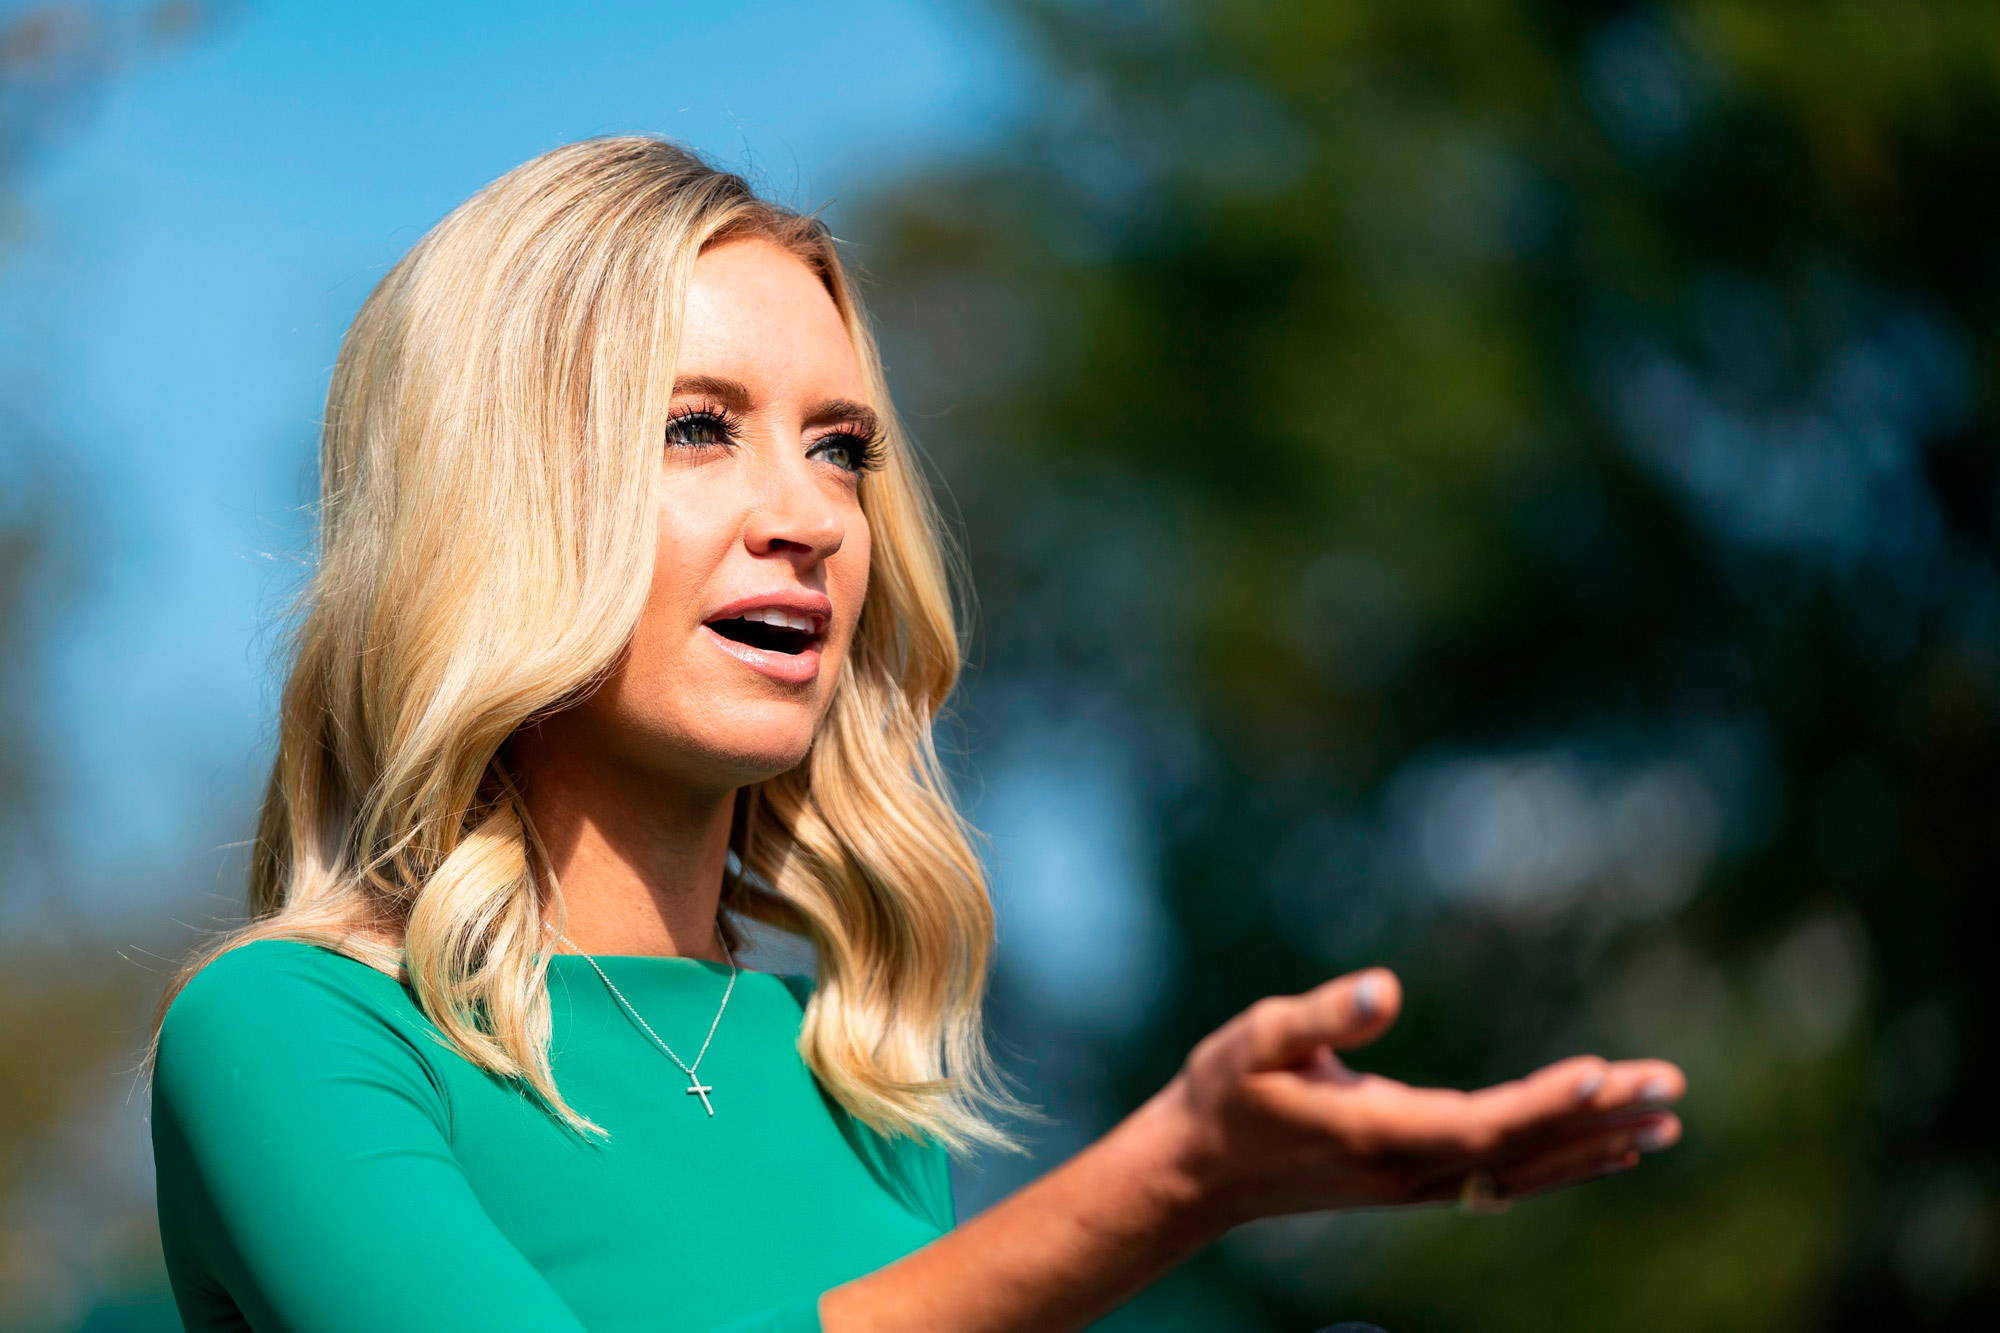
(630, 620)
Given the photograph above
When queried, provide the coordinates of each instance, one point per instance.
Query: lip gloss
(790, 668)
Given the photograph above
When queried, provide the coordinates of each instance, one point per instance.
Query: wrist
(1176, 1166)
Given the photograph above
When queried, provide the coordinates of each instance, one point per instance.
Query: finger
(1629, 1083)
(1550, 1110)
(1541, 1104)
(1286, 1030)
(1586, 1159)
(1576, 1096)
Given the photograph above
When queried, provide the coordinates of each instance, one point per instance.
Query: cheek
(682, 569)
(847, 573)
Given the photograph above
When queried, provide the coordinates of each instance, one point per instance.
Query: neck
(640, 858)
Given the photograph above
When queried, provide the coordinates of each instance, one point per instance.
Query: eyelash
(866, 445)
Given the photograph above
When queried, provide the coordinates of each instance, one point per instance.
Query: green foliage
(1544, 457)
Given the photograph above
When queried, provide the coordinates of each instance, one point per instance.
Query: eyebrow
(730, 393)
(733, 395)
(845, 411)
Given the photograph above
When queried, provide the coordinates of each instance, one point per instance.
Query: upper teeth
(771, 615)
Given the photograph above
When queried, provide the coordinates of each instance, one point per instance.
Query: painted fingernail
(1655, 1090)
(1652, 1138)
(1587, 1087)
(1368, 998)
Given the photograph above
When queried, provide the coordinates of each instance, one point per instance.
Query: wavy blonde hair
(486, 544)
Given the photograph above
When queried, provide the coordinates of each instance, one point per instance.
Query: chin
(756, 740)
(747, 768)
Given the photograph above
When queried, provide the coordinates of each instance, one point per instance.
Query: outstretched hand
(1271, 1121)
(1261, 1119)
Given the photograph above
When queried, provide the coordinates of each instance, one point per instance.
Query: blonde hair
(486, 544)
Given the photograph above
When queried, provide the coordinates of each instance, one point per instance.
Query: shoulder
(268, 998)
(916, 1169)
(799, 984)
(254, 979)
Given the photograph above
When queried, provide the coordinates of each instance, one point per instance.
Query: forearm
(1055, 1255)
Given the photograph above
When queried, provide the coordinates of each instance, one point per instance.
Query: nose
(794, 517)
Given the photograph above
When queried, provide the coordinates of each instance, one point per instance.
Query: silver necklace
(695, 1088)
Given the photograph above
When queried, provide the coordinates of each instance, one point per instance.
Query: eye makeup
(703, 425)
(854, 445)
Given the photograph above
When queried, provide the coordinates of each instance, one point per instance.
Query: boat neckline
(662, 958)
(654, 957)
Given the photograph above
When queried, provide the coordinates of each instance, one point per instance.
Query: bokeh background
(1505, 489)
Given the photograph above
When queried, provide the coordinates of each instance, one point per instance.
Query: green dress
(326, 1164)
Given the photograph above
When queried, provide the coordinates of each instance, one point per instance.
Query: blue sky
(201, 242)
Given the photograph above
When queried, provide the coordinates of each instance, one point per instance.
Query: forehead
(756, 312)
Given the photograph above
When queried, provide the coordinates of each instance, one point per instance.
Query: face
(763, 553)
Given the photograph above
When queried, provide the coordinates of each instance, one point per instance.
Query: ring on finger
(1481, 1193)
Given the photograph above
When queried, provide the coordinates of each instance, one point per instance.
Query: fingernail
(1587, 1087)
(1652, 1138)
(1368, 998)
(1655, 1090)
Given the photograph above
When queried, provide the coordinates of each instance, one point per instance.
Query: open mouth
(769, 631)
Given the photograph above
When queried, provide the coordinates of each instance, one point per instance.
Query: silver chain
(695, 1086)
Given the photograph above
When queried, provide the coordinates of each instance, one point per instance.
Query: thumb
(1344, 1013)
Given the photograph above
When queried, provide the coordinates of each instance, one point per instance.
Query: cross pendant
(699, 1089)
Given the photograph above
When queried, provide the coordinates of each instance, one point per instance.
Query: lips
(777, 635)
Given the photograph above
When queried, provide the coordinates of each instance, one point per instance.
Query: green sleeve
(303, 1150)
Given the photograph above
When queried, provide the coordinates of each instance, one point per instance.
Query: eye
(701, 427)
(850, 449)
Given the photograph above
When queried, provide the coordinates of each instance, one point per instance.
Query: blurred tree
(68, 1014)
(1520, 479)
